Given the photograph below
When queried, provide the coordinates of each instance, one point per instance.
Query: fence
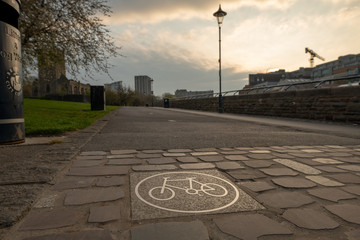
(326, 83)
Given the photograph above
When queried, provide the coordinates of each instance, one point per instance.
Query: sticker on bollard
(169, 194)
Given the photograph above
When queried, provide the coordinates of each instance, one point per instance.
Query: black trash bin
(97, 95)
(166, 103)
(12, 126)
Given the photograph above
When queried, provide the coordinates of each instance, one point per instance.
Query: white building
(144, 84)
(115, 86)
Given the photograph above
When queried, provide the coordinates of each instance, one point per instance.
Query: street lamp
(220, 14)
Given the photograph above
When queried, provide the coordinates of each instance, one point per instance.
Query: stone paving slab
(293, 182)
(353, 168)
(174, 154)
(250, 227)
(260, 156)
(352, 189)
(87, 163)
(128, 156)
(211, 158)
(80, 197)
(330, 169)
(279, 172)
(246, 174)
(353, 234)
(310, 219)
(298, 166)
(197, 166)
(104, 214)
(194, 230)
(124, 161)
(345, 178)
(82, 235)
(198, 154)
(98, 171)
(324, 181)
(237, 158)
(229, 166)
(158, 161)
(148, 155)
(123, 152)
(74, 183)
(259, 163)
(180, 150)
(93, 153)
(78, 158)
(257, 186)
(187, 159)
(327, 161)
(284, 199)
(49, 219)
(145, 168)
(110, 181)
(233, 152)
(348, 212)
(331, 194)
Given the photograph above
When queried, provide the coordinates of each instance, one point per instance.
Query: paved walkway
(278, 192)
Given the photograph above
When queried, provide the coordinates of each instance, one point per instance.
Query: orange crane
(312, 56)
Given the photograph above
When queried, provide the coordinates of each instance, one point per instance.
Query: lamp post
(220, 14)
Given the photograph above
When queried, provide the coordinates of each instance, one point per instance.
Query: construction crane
(312, 56)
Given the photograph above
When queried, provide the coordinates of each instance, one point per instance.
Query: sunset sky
(176, 42)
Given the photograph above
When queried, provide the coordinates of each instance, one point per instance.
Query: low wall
(337, 104)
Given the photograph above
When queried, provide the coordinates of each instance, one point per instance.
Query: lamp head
(220, 14)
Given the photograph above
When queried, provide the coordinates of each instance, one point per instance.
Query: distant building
(144, 84)
(271, 78)
(302, 73)
(115, 86)
(185, 93)
(344, 66)
(52, 80)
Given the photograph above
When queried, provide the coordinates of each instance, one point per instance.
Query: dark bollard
(12, 126)
(166, 103)
(97, 95)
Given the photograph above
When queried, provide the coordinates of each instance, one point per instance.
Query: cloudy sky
(175, 42)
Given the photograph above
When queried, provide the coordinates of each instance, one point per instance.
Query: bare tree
(72, 27)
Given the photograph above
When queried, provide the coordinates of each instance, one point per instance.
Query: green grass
(45, 117)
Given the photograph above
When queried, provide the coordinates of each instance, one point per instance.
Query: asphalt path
(159, 128)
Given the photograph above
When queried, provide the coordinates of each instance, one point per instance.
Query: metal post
(220, 14)
(12, 124)
(220, 92)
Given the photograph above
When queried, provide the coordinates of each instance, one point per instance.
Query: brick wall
(338, 104)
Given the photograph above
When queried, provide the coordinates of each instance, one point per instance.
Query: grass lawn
(45, 117)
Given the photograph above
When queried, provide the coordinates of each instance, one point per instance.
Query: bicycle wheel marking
(187, 192)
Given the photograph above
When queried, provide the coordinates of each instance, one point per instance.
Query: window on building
(325, 72)
(47, 88)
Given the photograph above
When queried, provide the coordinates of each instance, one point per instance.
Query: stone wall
(338, 104)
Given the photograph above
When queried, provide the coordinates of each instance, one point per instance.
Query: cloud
(155, 11)
(176, 42)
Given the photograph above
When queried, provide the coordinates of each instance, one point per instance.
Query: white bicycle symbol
(166, 192)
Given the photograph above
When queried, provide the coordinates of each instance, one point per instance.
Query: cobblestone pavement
(279, 192)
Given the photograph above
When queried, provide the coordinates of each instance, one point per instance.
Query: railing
(325, 83)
